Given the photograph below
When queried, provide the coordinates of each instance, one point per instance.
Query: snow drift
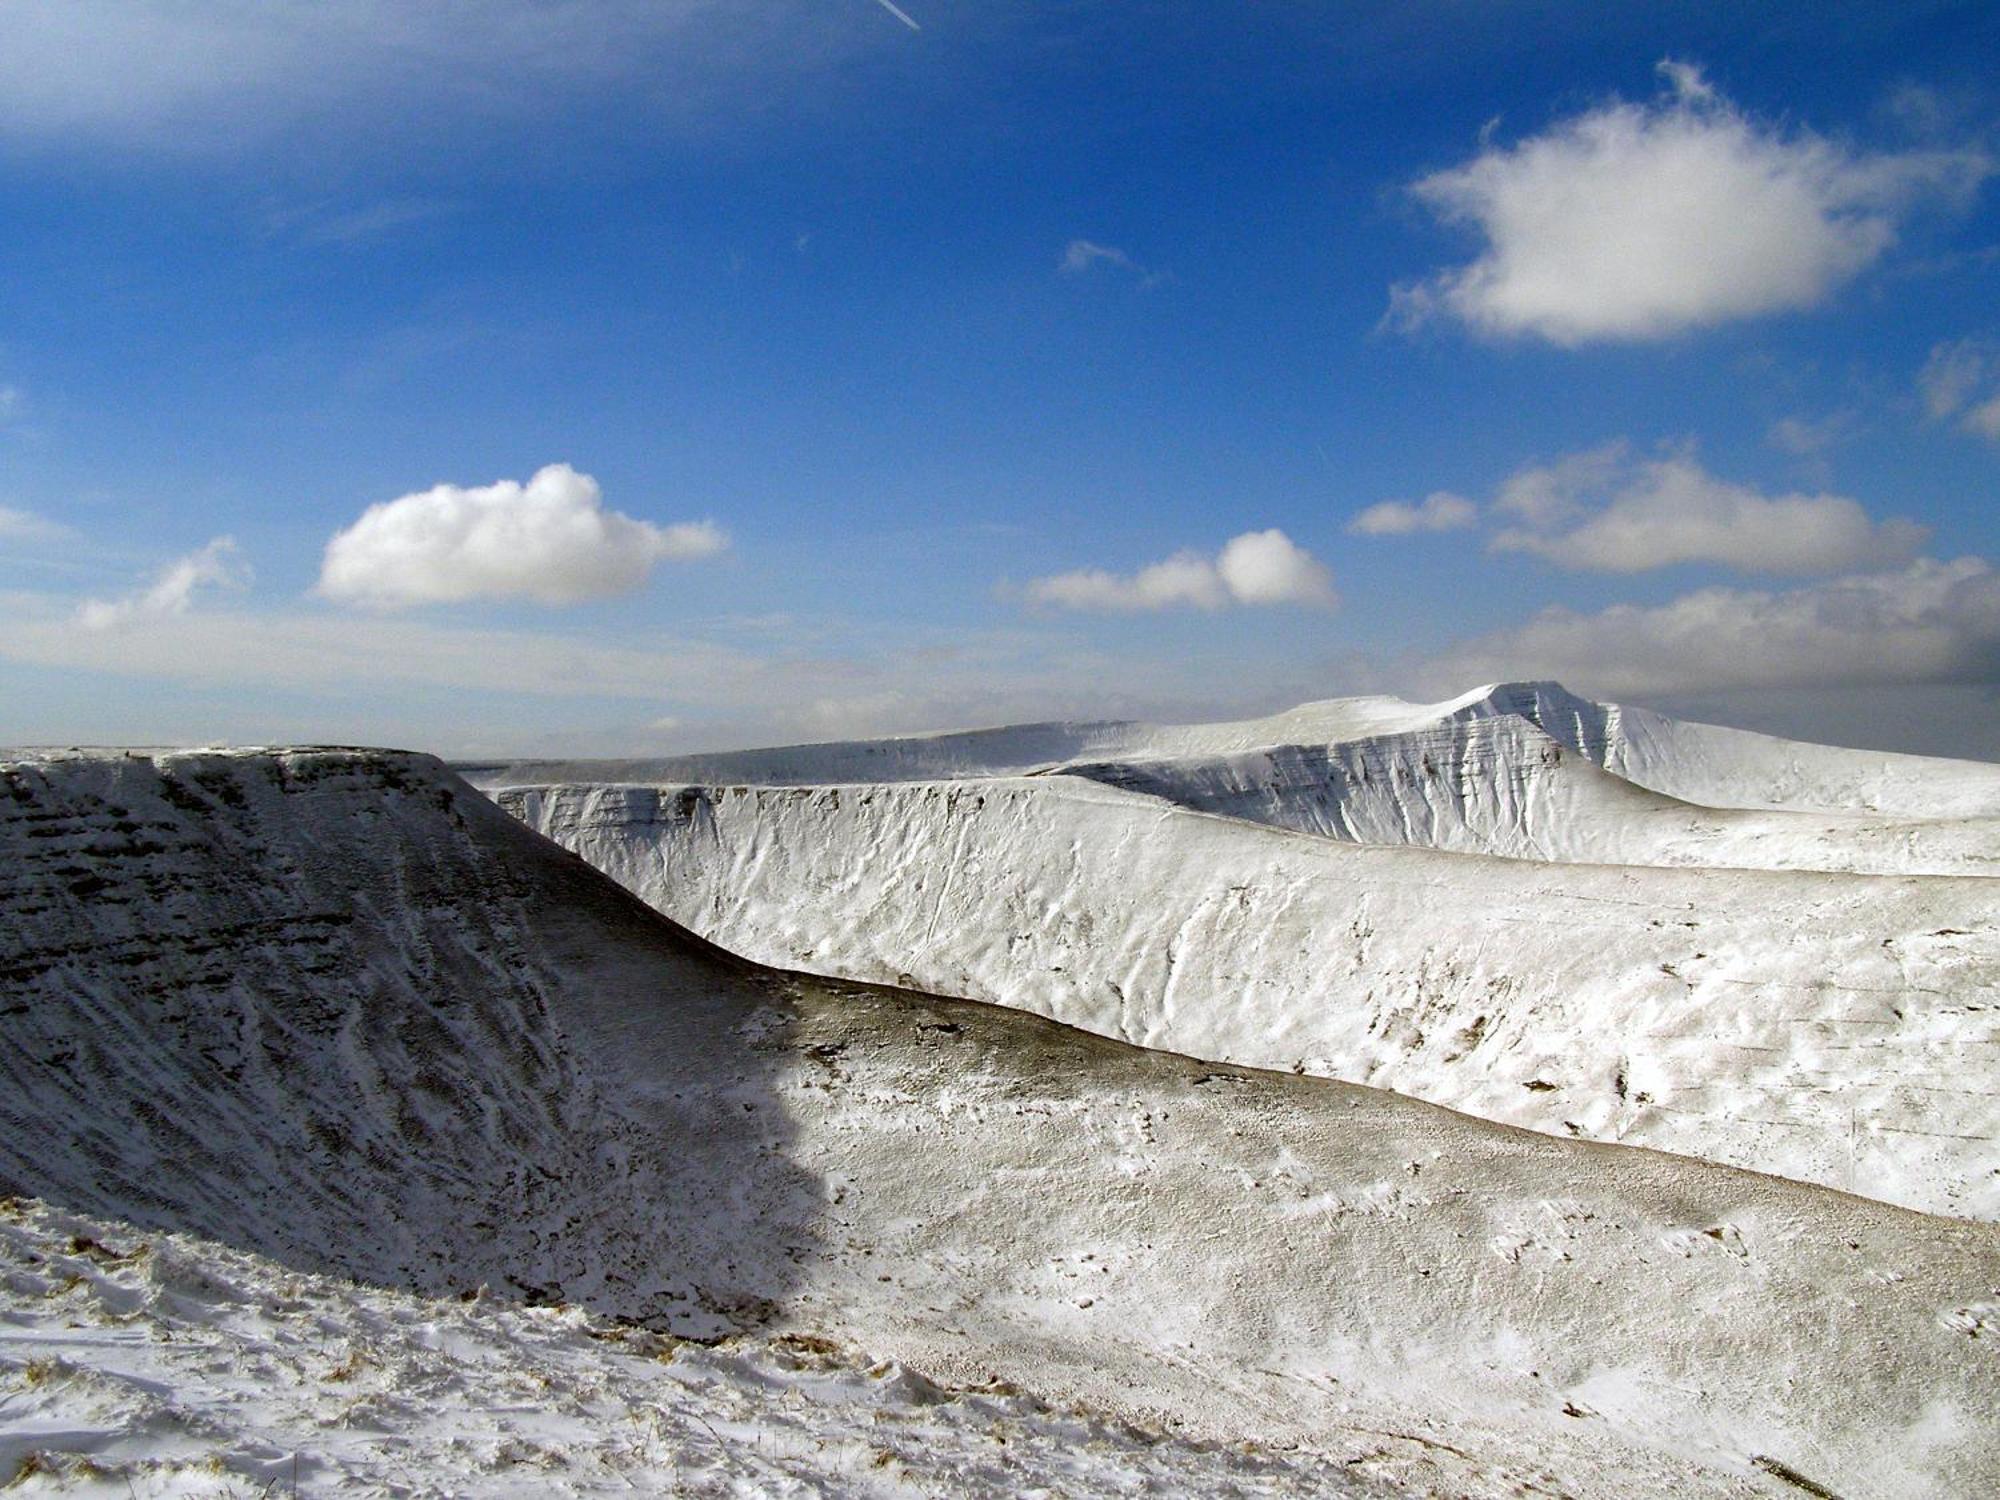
(333, 1008)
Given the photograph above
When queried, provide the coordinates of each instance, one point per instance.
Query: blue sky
(1045, 360)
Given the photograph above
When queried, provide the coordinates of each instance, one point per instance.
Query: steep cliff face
(334, 1008)
(1836, 1029)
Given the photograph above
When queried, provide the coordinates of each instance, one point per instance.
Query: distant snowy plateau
(1039, 1111)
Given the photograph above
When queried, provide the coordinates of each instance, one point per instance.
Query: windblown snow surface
(368, 1128)
(1727, 983)
(169, 1365)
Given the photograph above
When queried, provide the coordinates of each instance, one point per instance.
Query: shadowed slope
(312, 1002)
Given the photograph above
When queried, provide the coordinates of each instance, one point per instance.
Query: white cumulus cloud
(1256, 568)
(1637, 221)
(550, 541)
(1962, 380)
(172, 592)
(1266, 567)
(1931, 622)
(1186, 578)
(1438, 511)
(1603, 510)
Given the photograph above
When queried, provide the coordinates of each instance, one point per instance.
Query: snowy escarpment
(976, 752)
(1521, 770)
(334, 1010)
(1010, 750)
(1499, 784)
(1837, 1029)
(1719, 767)
(301, 1000)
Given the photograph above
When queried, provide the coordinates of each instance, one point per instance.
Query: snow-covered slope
(1837, 1029)
(170, 1365)
(334, 1009)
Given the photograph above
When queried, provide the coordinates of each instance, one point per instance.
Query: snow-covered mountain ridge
(1500, 785)
(333, 1009)
(1702, 763)
(1521, 770)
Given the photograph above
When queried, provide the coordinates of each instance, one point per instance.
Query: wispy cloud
(1256, 568)
(426, 681)
(326, 223)
(1638, 221)
(163, 76)
(1962, 380)
(550, 541)
(899, 13)
(1080, 256)
(172, 591)
(1438, 511)
(1803, 437)
(26, 526)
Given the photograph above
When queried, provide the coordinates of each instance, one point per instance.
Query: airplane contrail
(899, 13)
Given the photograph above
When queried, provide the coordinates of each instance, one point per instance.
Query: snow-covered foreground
(335, 1010)
(167, 1365)
(1834, 1028)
